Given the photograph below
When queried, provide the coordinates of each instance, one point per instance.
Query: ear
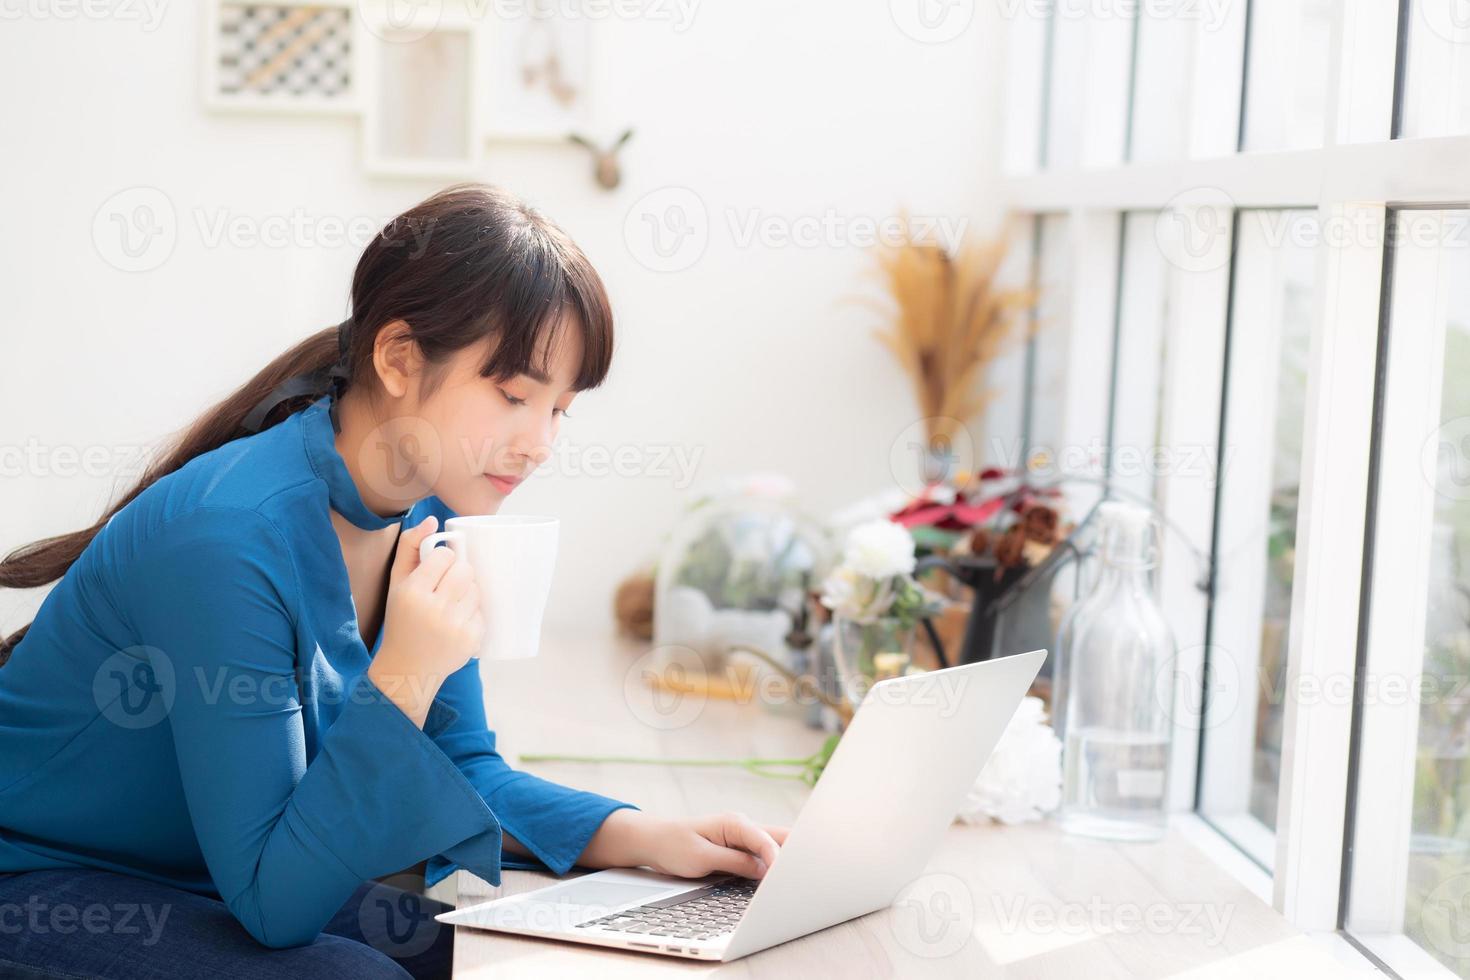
(397, 358)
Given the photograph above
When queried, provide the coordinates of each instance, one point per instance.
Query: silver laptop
(895, 783)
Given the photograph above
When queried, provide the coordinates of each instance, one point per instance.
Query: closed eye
(521, 401)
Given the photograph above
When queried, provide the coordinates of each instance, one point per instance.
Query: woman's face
(473, 438)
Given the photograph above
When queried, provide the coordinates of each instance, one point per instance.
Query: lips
(505, 484)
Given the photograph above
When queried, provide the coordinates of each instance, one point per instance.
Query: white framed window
(1229, 236)
(1436, 69)
(1255, 522)
(1159, 117)
(1136, 413)
(1287, 46)
(1409, 898)
(1066, 365)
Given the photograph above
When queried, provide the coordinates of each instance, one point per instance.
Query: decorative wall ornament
(605, 169)
(273, 56)
(425, 114)
(539, 71)
(431, 82)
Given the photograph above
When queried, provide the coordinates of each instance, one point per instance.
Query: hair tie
(340, 372)
(333, 378)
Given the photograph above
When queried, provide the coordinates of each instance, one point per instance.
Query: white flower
(855, 596)
(879, 549)
(876, 563)
(1023, 779)
(839, 592)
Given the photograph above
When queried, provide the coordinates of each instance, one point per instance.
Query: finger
(470, 624)
(432, 570)
(463, 610)
(407, 557)
(477, 625)
(740, 831)
(457, 582)
(731, 860)
(778, 834)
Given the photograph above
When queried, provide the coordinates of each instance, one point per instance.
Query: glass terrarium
(737, 570)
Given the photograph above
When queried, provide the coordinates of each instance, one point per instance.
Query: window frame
(1360, 175)
(1373, 894)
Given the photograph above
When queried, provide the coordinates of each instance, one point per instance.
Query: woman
(247, 700)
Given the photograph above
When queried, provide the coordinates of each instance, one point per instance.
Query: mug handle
(450, 538)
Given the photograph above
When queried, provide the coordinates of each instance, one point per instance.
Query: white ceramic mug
(513, 557)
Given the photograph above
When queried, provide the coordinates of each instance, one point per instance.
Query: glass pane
(1138, 457)
(1410, 853)
(1436, 879)
(1437, 896)
(1046, 415)
(1005, 377)
(999, 443)
(1143, 311)
(1437, 74)
(1286, 74)
(1161, 86)
(1265, 381)
(1067, 88)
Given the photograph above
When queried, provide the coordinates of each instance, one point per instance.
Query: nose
(530, 445)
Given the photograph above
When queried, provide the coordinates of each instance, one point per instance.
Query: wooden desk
(994, 902)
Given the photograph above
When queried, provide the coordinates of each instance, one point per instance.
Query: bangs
(554, 288)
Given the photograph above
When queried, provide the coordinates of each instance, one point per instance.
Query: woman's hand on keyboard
(691, 847)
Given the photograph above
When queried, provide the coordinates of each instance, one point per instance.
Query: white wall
(752, 357)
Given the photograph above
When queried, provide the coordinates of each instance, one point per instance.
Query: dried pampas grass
(949, 319)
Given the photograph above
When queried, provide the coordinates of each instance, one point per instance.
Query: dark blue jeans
(75, 923)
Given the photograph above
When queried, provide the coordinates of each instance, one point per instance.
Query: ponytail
(42, 562)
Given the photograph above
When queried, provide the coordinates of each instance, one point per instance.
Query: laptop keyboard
(704, 913)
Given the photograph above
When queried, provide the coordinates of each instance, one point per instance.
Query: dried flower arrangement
(950, 317)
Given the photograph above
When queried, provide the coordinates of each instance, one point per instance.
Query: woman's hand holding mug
(432, 625)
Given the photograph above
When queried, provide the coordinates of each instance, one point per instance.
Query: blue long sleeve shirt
(191, 706)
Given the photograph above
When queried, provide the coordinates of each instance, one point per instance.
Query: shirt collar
(321, 449)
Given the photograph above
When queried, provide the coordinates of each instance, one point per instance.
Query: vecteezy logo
(667, 230)
(665, 688)
(1193, 229)
(134, 688)
(1444, 918)
(400, 457)
(1199, 687)
(1449, 19)
(934, 915)
(400, 21)
(932, 21)
(396, 919)
(135, 230)
(1445, 459)
(917, 462)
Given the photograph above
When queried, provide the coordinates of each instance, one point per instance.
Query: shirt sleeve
(555, 822)
(214, 602)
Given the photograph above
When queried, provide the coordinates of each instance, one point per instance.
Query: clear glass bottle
(1072, 621)
(1119, 690)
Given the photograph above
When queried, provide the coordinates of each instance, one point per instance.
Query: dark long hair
(470, 262)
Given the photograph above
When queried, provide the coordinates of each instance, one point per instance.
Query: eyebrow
(540, 376)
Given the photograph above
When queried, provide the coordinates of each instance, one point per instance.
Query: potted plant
(876, 605)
